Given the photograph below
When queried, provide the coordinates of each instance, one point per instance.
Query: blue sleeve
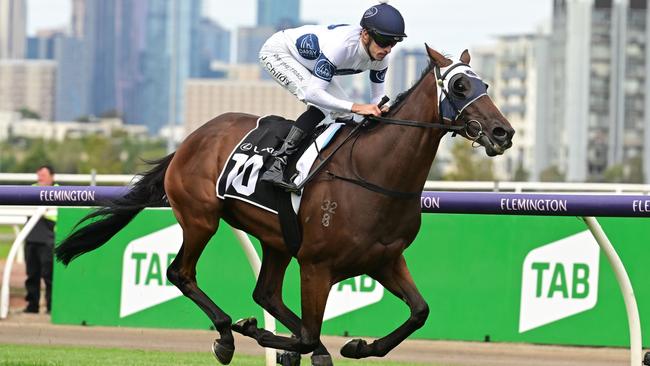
(324, 69)
(378, 76)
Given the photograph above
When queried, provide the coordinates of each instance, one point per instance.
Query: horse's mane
(403, 95)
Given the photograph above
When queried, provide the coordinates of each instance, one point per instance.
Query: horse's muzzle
(497, 141)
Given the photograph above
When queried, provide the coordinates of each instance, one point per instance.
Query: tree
(614, 174)
(469, 165)
(635, 173)
(36, 157)
(100, 154)
(551, 174)
(28, 113)
(435, 173)
(113, 113)
(521, 174)
(84, 119)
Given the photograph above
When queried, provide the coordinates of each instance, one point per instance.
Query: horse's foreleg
(268, 294)
(315, 285)
(397, 279)
(182, 273)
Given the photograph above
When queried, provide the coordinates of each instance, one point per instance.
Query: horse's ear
(464, 57)
(437, 58)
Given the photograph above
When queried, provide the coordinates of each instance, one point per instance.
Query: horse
(371, 223)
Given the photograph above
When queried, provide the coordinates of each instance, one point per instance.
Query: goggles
(384, 41)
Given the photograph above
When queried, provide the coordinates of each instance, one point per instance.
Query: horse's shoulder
(236, 117)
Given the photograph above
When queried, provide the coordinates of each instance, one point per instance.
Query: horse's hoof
(352, 348)
(288, 358)
(222, 352)
(321, 360)
(242, 325)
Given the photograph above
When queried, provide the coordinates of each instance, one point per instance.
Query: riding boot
(275, 174)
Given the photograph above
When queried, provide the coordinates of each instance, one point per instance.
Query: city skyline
(422, 26)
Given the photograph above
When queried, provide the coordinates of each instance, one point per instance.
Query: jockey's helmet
(384, 21)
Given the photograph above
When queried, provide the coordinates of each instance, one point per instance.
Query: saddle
(252, 157)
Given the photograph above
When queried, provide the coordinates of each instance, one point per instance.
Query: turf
(31, 355)
(4, 250)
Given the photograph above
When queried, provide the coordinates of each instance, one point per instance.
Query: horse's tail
(116, 213)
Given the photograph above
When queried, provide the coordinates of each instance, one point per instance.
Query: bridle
(442, 95)
(440, 79)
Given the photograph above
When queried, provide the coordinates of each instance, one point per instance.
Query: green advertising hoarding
(502, 278)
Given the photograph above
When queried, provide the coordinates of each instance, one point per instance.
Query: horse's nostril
(500, 133)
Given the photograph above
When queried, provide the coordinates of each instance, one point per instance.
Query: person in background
(39, 250)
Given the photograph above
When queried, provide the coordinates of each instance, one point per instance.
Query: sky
(448, 26)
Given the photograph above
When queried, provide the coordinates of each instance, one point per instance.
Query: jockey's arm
(377, 85)
(377, 90)
(317, 95)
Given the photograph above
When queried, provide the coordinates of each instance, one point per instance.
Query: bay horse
(369, 228)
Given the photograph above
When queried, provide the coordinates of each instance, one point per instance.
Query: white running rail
(17, 244)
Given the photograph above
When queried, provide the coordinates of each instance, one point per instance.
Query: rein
(406, 122)
(360, 181)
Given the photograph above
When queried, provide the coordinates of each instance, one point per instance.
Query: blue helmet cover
(454, 100)
(385, 20)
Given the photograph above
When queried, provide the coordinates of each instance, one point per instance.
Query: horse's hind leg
(268, 294)
(182, 273)
(397, 279)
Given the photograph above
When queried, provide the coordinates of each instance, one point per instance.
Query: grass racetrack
(33, 355)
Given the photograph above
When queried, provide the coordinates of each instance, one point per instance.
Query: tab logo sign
(559, 279)
(352, 294)
(144, 267)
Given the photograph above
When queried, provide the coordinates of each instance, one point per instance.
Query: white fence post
(625, 286)
(4, 291)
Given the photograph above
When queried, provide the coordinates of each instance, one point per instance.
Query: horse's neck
(422, 103)
(413, 148)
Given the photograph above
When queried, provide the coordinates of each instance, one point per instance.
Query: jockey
(305, 60)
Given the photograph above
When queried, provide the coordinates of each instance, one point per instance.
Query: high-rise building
(131, 47)
(78, 18)
(100, 39)
(140, 54)
(213, 45)
(278, 14)
(516, 73)
(404, 70)
(28, 84)
(250, 41)
(41, 46)
(599, 67)
(208, 98)
(13, 29)
(71, 100)
(186, 23)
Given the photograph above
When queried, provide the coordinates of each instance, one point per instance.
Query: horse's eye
(460, 87)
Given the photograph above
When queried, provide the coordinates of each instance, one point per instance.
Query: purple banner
(431, 202)
(58, 196)
(536, 204)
